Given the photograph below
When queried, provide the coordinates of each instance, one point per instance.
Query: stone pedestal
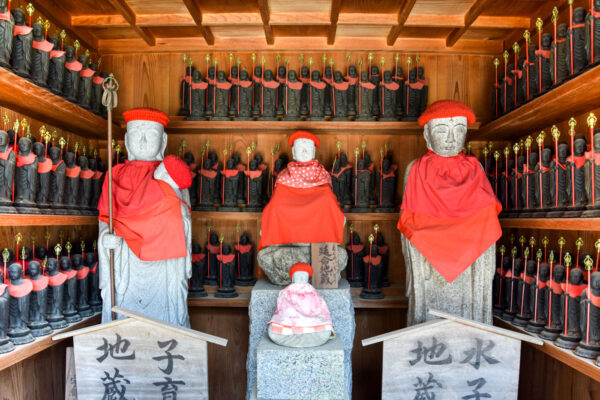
(300, 373)
(263, 303)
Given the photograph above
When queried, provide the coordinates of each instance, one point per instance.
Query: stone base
(591, 212)
(497, 311)
(85, 312)
(356, 282)
(40, 330)
(521, 320)
(6, 346)
(196, 293)
(72, 318)
(226, 293)
(567, 342)
(535, 327)
(57, 323)
(250, 281)
(385, 210)
(21, 337)
(229, 209)
(26, 209)
(263, 303)
(300, 373)
(371, 294)
(587, 350)
(252, 209)
(361, 210)
(555, 212)
(96, 308)
(7, 209)
(508, 316)
(573, 212)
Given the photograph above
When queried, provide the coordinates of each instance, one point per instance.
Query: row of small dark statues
(25, 50)
(559, 58)
(309, 96)
(562, 186)
(368, 264)
(52, 181)
(42, 292)
(552, 294)
(359, 188)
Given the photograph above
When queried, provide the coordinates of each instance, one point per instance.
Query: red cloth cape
(39, 284)
(147, 212)
(449, 212)
(44, 45)
(56, 53)
(21, 290)
(44, 166)
(97, 80)
(73, 172)
(57, 280)
(311, 215)
(4, 155)
(25, 160)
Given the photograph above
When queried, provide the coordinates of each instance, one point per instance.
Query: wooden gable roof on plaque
(141, 357)
(451, 358)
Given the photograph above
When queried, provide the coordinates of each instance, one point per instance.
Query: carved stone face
(70, 52)
(268, 75)
(533, 158)
(399, 71)
(230, 164)
(343, 160)
(546, 155)
(54, 154)
(337, 76)
(292, 76)
(38, 149)
(52, 265)
(34, 268)
(211, 72)
(196, 76)
(367, 159)
(364, 76)
(221, 76)
(386, 165)
(244, 239)
(244, 75)
(352, 71)
(595, 281)
(19, 16)
(303, 150)
(214, 239)
(89, 259)
(14, 271)
(316, 76)
(83, 162)
(328, 72)
(70, 159)
(226, 249)
(76, 259)
(304, 72)
(563, 151)
(3, 139)
(562, 31)
(207, 163)
(597, 5)
(24, 145)
(259, 158)
(65, 263)
(360, 165)
(580, 146)
(579, 14)
(446, 136)
(380, 240)
(576, 277)
(300, 277)
(253, 165)
(258, 71)
(3, 4)
(188, 158)
(374, 70)
(40, 252)
(281, 71)
(546, 40)
(520, 163)
(420, 72)
(558, 274)
(387, 76)
(38, 32)
(92, 164)
(412, 75)
(355, 238)
(145, 141)
(234, 72)
(374, 251)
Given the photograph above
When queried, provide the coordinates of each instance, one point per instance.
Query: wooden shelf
(583, 365)
(179, 125)
(46, 220)
(27, 98)
(20, 353)
(560, 224)
(253, 216)
(575, 96)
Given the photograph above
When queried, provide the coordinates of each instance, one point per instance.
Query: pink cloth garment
(300, 309)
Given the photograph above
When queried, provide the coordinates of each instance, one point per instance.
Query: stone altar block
(263, 303)
(300, 373)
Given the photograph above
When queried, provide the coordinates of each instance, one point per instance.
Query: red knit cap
(303, 135)
(146, 114)
(447, 109)
(178, 171)
(301, 267)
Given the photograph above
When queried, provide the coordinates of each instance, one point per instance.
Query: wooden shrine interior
(143, 42)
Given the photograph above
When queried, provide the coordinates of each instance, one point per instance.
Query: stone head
(531, 267)
(221, 75)
(70, 52)
(374, 70)
(328, 72)
(93, 67)
(253, 165)
(316, 76)
(236, 158)
(211, 72)
(546, 155)
(34, 269)
(511, 67)
(360, 165)
(355, 238)
(70, 159)
(544, 272)
(259, 158)
(244, 240)
(28, 253)
(580, 145)
(374, 251)
(337, 76)
(77, 260)
(387, 76)
(412, 75)
(281, 71)
(304, 150)
(244, 75)
(52, 265)
(399, 71)
(304, 72)
(546, 40)
(65, 263)
(385, 165)
(226, 249)
(533, 158)
(145, 141)
(196, 75)
(367, 159)
(234, 71)
(189, 158)
(595, 280)
(278, 165)
(563, 150)
(579, 14)
(596, 5)
(40, 252)
(230, 163)
(214, 159)
(196, 249)
(520, 162)
(364, 76)
(562, 31)
(19, 16)
(352, 71)
(343, 159)
(518, 266)
(258, 71)
(38, 149)
(83, 59)
(38, 32)
(83, 162)
(380, 240)
(3, 5)
(292, 77)
(24, 145)
(54, 154)
(214, 239)
(420, 72)
(446, 136)
(15, 272)
(92, 164)
(575, 277)
(207, 163)
(90, 258)
(511, 164)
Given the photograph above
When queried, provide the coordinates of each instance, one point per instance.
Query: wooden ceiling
(454, 26)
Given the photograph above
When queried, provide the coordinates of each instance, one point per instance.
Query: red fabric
(226, 258)
(295, 85)
(351, 80)
(86, 174)
(447, 109)
(327, 80)
(423, 81)
(382, 249)
(372, 260)
(253, 174)
(21, 290)
(560, 40)
(213, 249)
(304, 175)
(449, 212)
(578, 160)
(230, 172)
(340, 85)
(57, 280)
(543, 53)
(83, 273)
(318, 85)
(141, 204)
(528, 279)
(244, 84)
(44, 166)
(392, 172)
(301, 267)
(595, 299)
(208, 173)
(42, 46)
(303, 135)
(73, 172)
(271, 84)
(25, 160)
(243, 248)
(518, 72)
(305, 80)
(87, 73)
(337, 174)
(39, 284)
(355, 248)
(595, 14)
(69, 274)
(576, 290)
(223, 85)
(93, 269)
(146, 114)
(416, 85)
(595, 156)
(367, 85)
(97, 175)
(302, 216)
(198, 257)
(199, 85)
(73, 66)
(179, 171)
(5, 17)
(541, 285)
(55, 166)
(4, 154)
(57, 53)
(98, 80)
(391, 86)
(581, 25)
(556, 287)
(22, 30)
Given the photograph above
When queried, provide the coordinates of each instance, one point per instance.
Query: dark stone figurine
(233, 183)
(317, 105)
(524, 295)
(341, 180)
(389, 93)
(415, 99)
(197, 105)
(507, 91)
(592, 32)
(554, 303)
(340, 98)
(43, 186)
(54, 299)
(364, 98)
(356, 266)
(593, 208)
(71, 78)
(559, 69)
(243, 97)
(56, 69)
(86, 176)
(292, 97)
(498, 296)
(97, 181)
(83, 275)
(94, 299)
(212, 249)
(578, 39)
(352, 79)
(270, 106)
(543, 61)
(86, 75)
(198, 272)
(184, 91)
(220, 107)
(37, 301)
(20, 59)
(253, 186)
(539, 296)
(7, 27)
(244, 262)
(518, 82)
(531, 182)
(372, 281)
(71, 196)
(589, 347)
(362, 189)
(560, 181)
(571, 334)
(511, 289)
(544, 170)
(19, 290)
(384, 252)
(70, 291)
(386, 187)
(226, 273)
(26, 176)
(576, 178)
(8, 162)
(5, 343)
(57, 181)
(208, 186)
(40, 56)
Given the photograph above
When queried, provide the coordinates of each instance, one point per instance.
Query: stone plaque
(324, 261)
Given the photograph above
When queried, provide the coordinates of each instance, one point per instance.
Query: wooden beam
(263, 6)
(196, 14)
(335, 14)
(476, 8)
(406, 7)
(127, 12)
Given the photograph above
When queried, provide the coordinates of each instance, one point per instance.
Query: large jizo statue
(448, 222)
(151, 266)
(6, 34)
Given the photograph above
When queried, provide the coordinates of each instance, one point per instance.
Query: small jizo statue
(571, 333)
(510, 288)
(293, 97)
(559, 69)
(86, 76)
(8, 162)
(233, 184)
(270, 106)
(44, 168)
(577, 58)
(576, 174)
(83, 275)
(243, 97)
(356, 254)
(594, 199)
(554, 302)
(212, 249)
(254, 187)
(244, 262)
(40, 56)
(544, 61)
(94, 300)
(56, 69)
(198, 272)
(386, 186)
(20, 59)
(589, 346)
(69, 306)
(341, 180)
(221, 98)
(318, 107)
(539, 296)
(26, 178)
(524, 299)
(72, 194)
(71, 78)
(388, 96)
(592, 29)
(6, 36)
(56, 281)
(197, 105)
(19, 290)
(340, 100)
(364, 98)
(5, 343)
(57, 180)
(226, 273)
(373, 274)
(37, 301)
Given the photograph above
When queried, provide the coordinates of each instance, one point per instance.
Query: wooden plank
(335, 14)
(26, 351)
(45, 220)
(399, 332)
(405, 9)
(477, 8)
(560, 224)
(263, 6)
(91, 329)
(585, 366)
(196, 14)
(127, 12)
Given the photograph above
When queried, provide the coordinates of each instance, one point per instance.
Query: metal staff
(505, 83)
(567, 265)
(506, 156)
(501, 251)
(571, 35)
(527, 36)
(540, 143)
(5, 255)
(591, 122)
(110, 101)
(523, 274)
(545, 242)
(356, 152)
(588, 267)
(539, 24)
(496, 64)
(516, 149)
(527, 148)
(597, 246)
(572, 123)
(496, 157)
(555, 135)
(516, 50)
(538, 257)
(554, 21)
(551, 261)
(513, 253)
